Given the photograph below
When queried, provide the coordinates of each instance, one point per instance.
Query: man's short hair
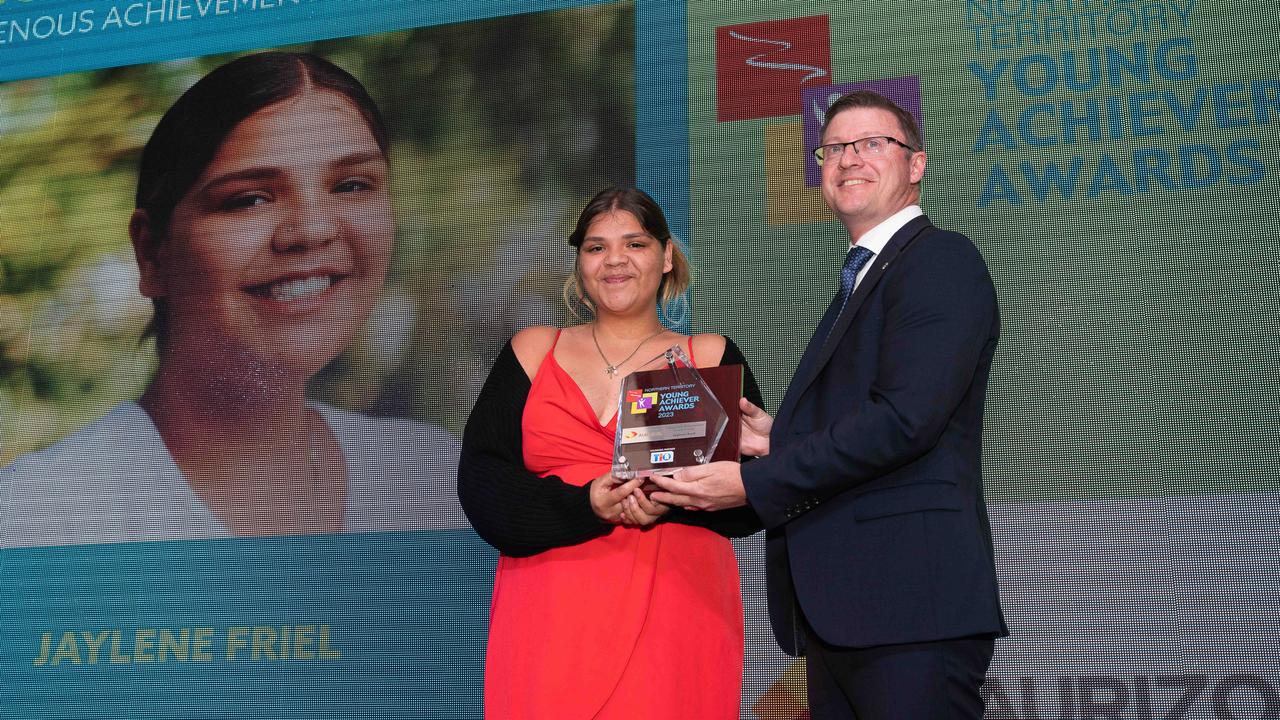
(872, 99)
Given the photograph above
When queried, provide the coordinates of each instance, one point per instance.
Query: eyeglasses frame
(818, 151)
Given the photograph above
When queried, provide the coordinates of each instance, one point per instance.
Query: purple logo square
(905, 91)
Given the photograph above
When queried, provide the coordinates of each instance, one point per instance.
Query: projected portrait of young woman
(262, 231)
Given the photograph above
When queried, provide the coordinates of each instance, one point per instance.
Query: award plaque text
(672, 417)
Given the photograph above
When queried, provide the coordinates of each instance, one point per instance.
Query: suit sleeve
(511, 508)
(735, 522)
(939, 315)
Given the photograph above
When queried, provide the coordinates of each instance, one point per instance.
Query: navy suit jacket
(871, 495)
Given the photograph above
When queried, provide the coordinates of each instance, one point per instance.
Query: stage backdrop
(1114, 160)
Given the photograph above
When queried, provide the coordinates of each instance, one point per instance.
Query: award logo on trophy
(676, 416)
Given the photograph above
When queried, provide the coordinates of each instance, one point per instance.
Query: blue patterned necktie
(853, 262)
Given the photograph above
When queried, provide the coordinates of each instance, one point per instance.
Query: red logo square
(761, 67)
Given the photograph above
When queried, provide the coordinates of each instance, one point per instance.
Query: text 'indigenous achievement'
(95, 17)
(1104, 98)
(151, 645)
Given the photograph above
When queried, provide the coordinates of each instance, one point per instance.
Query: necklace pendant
(609, 368)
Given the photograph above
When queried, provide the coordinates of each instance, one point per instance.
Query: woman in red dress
(605, 604)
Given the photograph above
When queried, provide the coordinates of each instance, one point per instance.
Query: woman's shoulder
(708, 349)
(532, 344)
(534, 335)
(401, 472)
(110, 481)
(116, 435)
(389, 436)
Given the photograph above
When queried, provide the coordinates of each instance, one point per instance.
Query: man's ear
(146, 250)
(918, 162)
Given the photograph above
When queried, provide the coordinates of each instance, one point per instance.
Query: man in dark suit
(869, 483)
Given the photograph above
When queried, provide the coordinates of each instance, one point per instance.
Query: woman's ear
(146, 250)
(667, 263)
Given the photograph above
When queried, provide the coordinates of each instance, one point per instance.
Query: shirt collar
(877, 237)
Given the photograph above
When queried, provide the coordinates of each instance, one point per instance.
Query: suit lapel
(807, 371)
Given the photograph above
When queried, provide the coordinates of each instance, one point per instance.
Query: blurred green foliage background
(501, 130)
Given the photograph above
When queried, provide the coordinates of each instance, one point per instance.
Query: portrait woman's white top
(114, 481)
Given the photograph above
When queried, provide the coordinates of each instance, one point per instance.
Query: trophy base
(625, 472)
(648, 487)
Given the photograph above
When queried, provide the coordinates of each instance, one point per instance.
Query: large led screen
(207, 512)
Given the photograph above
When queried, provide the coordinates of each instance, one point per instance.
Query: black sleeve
(735, 522)
(511, 508)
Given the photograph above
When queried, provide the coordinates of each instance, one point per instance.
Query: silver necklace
(609, 367)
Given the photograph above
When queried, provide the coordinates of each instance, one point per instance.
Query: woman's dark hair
(649, 214)
(193, 129)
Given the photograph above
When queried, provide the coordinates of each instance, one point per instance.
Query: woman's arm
(741, 521)
(511, 508)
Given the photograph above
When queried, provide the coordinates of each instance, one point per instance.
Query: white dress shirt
(877, 237)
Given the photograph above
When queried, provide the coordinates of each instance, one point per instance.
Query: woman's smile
(298, 285)
(285, 290)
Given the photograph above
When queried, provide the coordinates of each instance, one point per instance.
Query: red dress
(639, 623)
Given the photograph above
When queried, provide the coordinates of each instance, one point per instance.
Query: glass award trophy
(672, 417)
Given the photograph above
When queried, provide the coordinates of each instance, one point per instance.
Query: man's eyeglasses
(864, 147)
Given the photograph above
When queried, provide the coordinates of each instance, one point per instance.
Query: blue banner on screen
(318, 627)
